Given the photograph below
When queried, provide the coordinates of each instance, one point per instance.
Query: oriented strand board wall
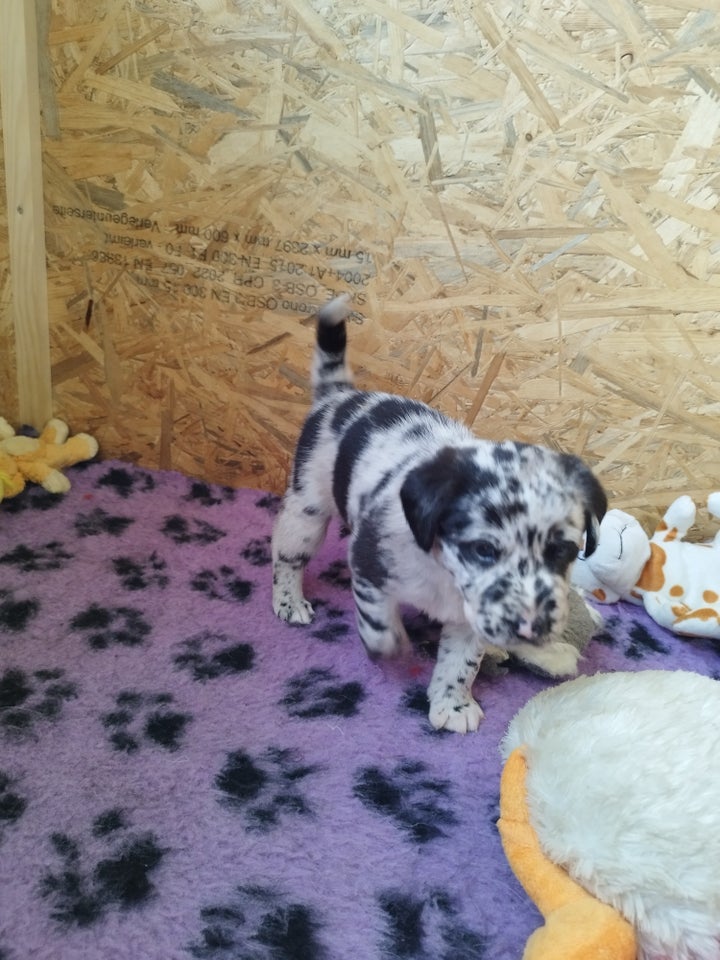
(522, 197)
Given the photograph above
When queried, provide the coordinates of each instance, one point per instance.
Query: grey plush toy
(583, 622)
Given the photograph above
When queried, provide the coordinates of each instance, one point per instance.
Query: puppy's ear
(593, 496)
(426, 493)
(596, 507)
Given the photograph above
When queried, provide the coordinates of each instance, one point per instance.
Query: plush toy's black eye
(481, 552)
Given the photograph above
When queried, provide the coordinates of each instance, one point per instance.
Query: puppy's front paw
(461, 717)
(293, 609)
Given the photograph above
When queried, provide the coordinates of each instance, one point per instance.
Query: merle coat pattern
(478, 535)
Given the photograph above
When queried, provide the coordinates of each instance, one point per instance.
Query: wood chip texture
(522, 198)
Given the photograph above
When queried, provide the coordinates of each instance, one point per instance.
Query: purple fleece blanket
(183, 776)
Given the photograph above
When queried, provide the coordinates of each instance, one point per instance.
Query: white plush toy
(617, 811)
(677, 581)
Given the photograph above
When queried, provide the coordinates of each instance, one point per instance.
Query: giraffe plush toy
(677, 581)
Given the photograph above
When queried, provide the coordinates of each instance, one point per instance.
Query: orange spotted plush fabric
(676, 580)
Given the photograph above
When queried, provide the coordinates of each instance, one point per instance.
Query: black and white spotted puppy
(479, 535)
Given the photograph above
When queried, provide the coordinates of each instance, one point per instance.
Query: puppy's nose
(525, 629)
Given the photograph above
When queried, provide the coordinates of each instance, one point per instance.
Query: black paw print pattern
(492, 807)
(608, 634)
(414, 700)
(211, 655)
(337, 573)
(638, 641)
(270, 502)
(109, 626)
(81, 892)
(208, 495)
(97, 522)
(140, 573)
(181, 530)
(50, 556)
(320, 693)
(32, 498)
(642, 643)
(257, 923)
(428, 928)
(148, 718)
(265, 787)
(16, 614)
(29, 699)
(258, 552)
(409, 795)
(222, 584)
(330, 623)
(12, 804)
(125, 482)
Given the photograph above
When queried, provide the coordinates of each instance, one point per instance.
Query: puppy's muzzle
(533, 630)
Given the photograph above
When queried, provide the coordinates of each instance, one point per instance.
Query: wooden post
(19, 90)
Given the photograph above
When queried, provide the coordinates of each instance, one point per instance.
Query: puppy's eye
(482, 552)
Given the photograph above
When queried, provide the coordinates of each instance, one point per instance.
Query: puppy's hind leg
(298, 532)
(452, 706)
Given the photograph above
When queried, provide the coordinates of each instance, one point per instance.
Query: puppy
(479, 535)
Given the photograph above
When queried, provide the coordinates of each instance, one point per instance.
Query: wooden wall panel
(8, 362)
(522, 198)
(25, 312)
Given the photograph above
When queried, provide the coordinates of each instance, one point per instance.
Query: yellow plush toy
(40, 459)
(12, 481)
(577, 926)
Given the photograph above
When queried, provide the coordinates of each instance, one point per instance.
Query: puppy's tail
(329, 368)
